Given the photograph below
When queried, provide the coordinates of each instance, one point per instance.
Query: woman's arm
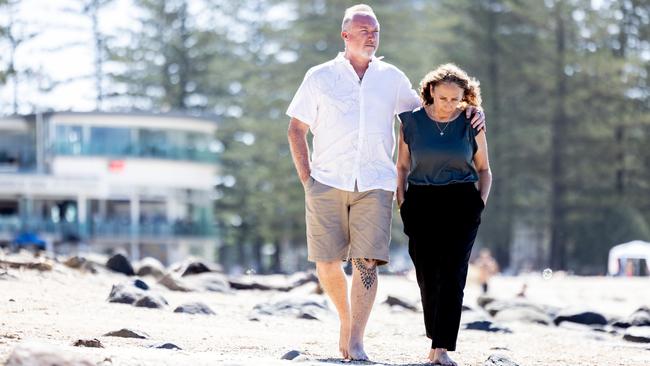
(482, 164)
(403, 166)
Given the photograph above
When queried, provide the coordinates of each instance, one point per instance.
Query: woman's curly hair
(450, 73)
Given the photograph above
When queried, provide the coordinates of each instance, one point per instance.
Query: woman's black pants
(441, 223)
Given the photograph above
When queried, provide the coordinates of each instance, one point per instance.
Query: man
(349, 104)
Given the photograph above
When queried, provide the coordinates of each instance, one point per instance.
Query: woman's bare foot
(344, 340)
(439, 356)
(356, 351)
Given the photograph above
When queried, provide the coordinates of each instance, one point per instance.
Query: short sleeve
(304, 105)
(407, 120)
(407, 98)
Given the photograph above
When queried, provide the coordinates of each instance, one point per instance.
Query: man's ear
(344, 35)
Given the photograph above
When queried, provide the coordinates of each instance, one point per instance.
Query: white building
(137, 181)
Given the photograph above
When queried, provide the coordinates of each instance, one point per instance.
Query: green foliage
(565, 87)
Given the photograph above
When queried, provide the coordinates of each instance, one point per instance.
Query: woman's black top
(439, 159)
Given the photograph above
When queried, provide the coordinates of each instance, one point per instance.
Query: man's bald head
(350, 12)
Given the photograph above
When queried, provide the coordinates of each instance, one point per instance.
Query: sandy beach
(49, 310)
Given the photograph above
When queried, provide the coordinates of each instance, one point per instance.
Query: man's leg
(332, 279)
(364, 289)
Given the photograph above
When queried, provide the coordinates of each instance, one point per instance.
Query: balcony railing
(115, 151)
(112, 228)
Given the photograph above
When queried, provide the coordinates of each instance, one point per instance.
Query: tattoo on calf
(368, 274)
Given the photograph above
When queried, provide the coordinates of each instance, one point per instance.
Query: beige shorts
(343, 225)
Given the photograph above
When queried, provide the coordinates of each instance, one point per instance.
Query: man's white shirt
(352, 122)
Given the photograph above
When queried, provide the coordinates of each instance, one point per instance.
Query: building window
(68, 140)
(109, 141)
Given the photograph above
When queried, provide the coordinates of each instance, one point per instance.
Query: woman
(441, 159)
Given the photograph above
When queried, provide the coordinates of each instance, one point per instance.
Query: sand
(52, 309)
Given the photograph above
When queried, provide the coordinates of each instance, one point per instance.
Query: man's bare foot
(439, 356)
(344, 340)
(357, 353)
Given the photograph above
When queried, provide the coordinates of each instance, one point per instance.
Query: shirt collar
(373, 61)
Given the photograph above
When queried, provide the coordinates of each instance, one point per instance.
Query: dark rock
(640, 318)
(580, 317)
(312, 308)
(397, 301)
(151, 301)
(165, 346)
(195, 268)
(243, 283)
(301, 278)
(209, 281)
(499, 360)
(486, 326)
(127, 333)
(291, 355)
(119, 263)
(45, 355)
(95, 343)
(637, 334)
(141, 285)
(194, 308)
(125, 293)
(483, 300)
(173, 283)
(151, 267)
(523, 314)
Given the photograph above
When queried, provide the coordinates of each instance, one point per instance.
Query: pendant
(442, 133)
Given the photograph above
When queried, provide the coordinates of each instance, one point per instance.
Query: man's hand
(478, 117)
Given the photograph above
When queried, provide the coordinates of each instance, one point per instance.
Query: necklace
(446, 123)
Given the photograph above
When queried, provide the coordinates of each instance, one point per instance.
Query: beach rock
(580, 317)
(209, 281)
(397, 301)
(311, 307)
(483, 300)
(33, 354)
(194, 308)
(524, 315)
(125, 293)
(175, 284)
(494, 307)
(94, 343)
(151, 301)
(243, 283)
(486, 326)
(640, 318)
(140, 284)
(195, 268)
(499, 360)
(39, 266)
(119, 263)
(127, 333)
(290, 355)
(166, 346)
(149, 266)
(80, 263)
(300, 278)
(637, 334)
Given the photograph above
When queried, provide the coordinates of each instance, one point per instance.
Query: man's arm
(297, 135)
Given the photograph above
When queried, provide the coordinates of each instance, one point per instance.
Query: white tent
(619, 254)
